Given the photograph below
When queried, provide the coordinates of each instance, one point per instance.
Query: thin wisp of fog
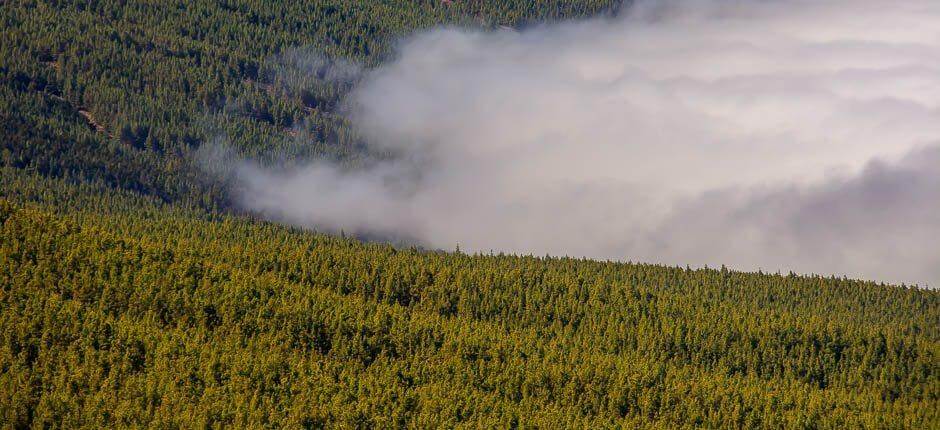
(776, 135)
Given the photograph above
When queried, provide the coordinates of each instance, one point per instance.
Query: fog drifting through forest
(780, 135)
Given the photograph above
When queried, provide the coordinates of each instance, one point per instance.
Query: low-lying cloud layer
(782, 135)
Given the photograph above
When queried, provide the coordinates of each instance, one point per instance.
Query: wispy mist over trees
(696, 133)
(139, 287)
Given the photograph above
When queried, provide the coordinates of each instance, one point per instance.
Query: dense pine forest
(133, 293)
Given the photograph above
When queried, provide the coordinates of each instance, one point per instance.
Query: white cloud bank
(783, 135)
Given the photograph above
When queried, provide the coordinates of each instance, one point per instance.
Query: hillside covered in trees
(133, 294)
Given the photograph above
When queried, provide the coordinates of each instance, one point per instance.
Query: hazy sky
(781, 135)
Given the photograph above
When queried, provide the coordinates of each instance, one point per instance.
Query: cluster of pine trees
(145, 313)
(132, 294)
(128, 90)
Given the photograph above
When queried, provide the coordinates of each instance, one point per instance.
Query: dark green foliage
(145, 83)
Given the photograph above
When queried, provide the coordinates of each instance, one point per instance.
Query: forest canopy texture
(135, 293)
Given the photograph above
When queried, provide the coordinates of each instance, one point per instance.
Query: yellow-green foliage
(172, 320)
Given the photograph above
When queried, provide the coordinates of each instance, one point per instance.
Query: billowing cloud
(783, 135)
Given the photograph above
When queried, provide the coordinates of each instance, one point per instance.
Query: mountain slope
(133, 294)
(175, 319)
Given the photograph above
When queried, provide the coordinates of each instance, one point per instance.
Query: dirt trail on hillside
(90, 119)
(86, 114)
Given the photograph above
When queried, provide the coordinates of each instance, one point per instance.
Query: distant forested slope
(125, 91)
(131, 295)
